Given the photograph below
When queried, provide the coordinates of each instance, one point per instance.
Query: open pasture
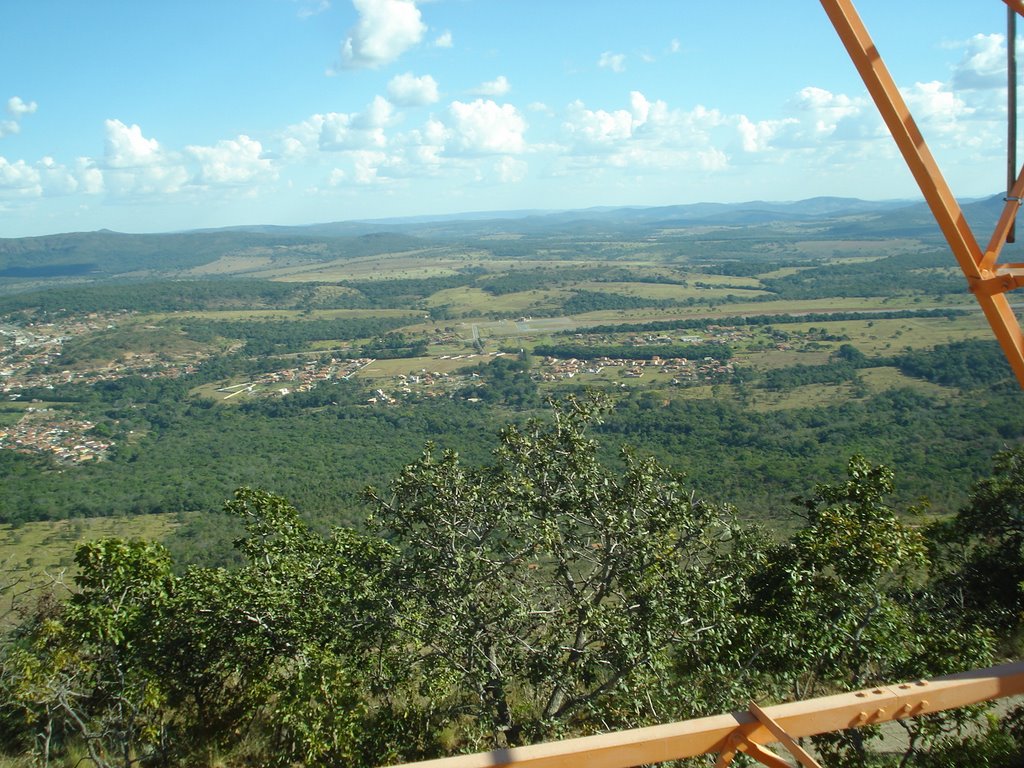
(859, 247)
(283, 314)
(809, 396)
(474, 300)
(36, 553)
(662, 291)
(386, 369)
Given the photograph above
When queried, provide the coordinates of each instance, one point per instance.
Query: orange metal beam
(988, 281)
(730, 733)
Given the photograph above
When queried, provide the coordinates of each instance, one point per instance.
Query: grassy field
(282, 314)
(474, 300)
(38, 554)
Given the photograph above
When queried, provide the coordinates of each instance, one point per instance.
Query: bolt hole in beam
(986, 278)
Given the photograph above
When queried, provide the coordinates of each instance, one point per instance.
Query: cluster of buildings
(30, 356)
(43, 431)
(301, 378)
(684, 370)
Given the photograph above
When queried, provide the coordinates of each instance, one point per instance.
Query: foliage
(561, 582)
(881, 277)
(984, 546)
(960, 364)
(89, 669)
(739, 321)
(505, 380)
(551, 591)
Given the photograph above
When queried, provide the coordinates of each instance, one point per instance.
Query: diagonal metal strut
(988, 280)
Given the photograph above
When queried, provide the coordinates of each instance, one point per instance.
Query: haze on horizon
(160, 117)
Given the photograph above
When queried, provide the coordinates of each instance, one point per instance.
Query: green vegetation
(646, 352)
(576, 596)
(147, 384)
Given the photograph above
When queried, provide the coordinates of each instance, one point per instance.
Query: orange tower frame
(987, 279)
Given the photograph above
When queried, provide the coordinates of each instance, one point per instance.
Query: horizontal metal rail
(746, 731)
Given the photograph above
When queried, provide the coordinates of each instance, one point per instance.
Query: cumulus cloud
(386, 29)
(598, 126)
(90, 178)
(759, 136)
(126, 147)
(824, 114)
(407, 90)
(497, 87)
(484, 127)
(231, 162)
(16, 109)
(510, 170)
(645, 137)
(616, 62)
(936, 108)
(444, 40)
(18, 179)
(340, 131)
(983, 65)
(135, 165)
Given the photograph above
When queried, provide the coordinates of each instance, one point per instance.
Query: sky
(166, 115)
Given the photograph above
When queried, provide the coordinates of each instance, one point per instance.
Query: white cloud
(497, 87)
(386, 29)
(484, 127)
(135, 165)
(231, 162)
(309, 8)
(152, 180)
(90, 178)
(936, 109)
(126, 147)
(510, 170)
(675, 46)
(598, 126)
(836, 115)
(645, 139)
(378, 114)
(56, 179)
(366, 164)
(340, 131)
(17, 109)
(444, 40)
(407, 90)
(19, 179)
(616, 62)
(983, 65)
(758, 137)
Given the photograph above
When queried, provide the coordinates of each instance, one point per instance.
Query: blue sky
(145, 116)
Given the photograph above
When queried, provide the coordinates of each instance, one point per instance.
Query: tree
(983, 546)
(545, 589)
(295, 639)
(89, 668)
(847, 602)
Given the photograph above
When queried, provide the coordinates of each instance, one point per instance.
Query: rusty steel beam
(725, 733)
(985, 278)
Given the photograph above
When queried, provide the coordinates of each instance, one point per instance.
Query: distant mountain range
(108, 254)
